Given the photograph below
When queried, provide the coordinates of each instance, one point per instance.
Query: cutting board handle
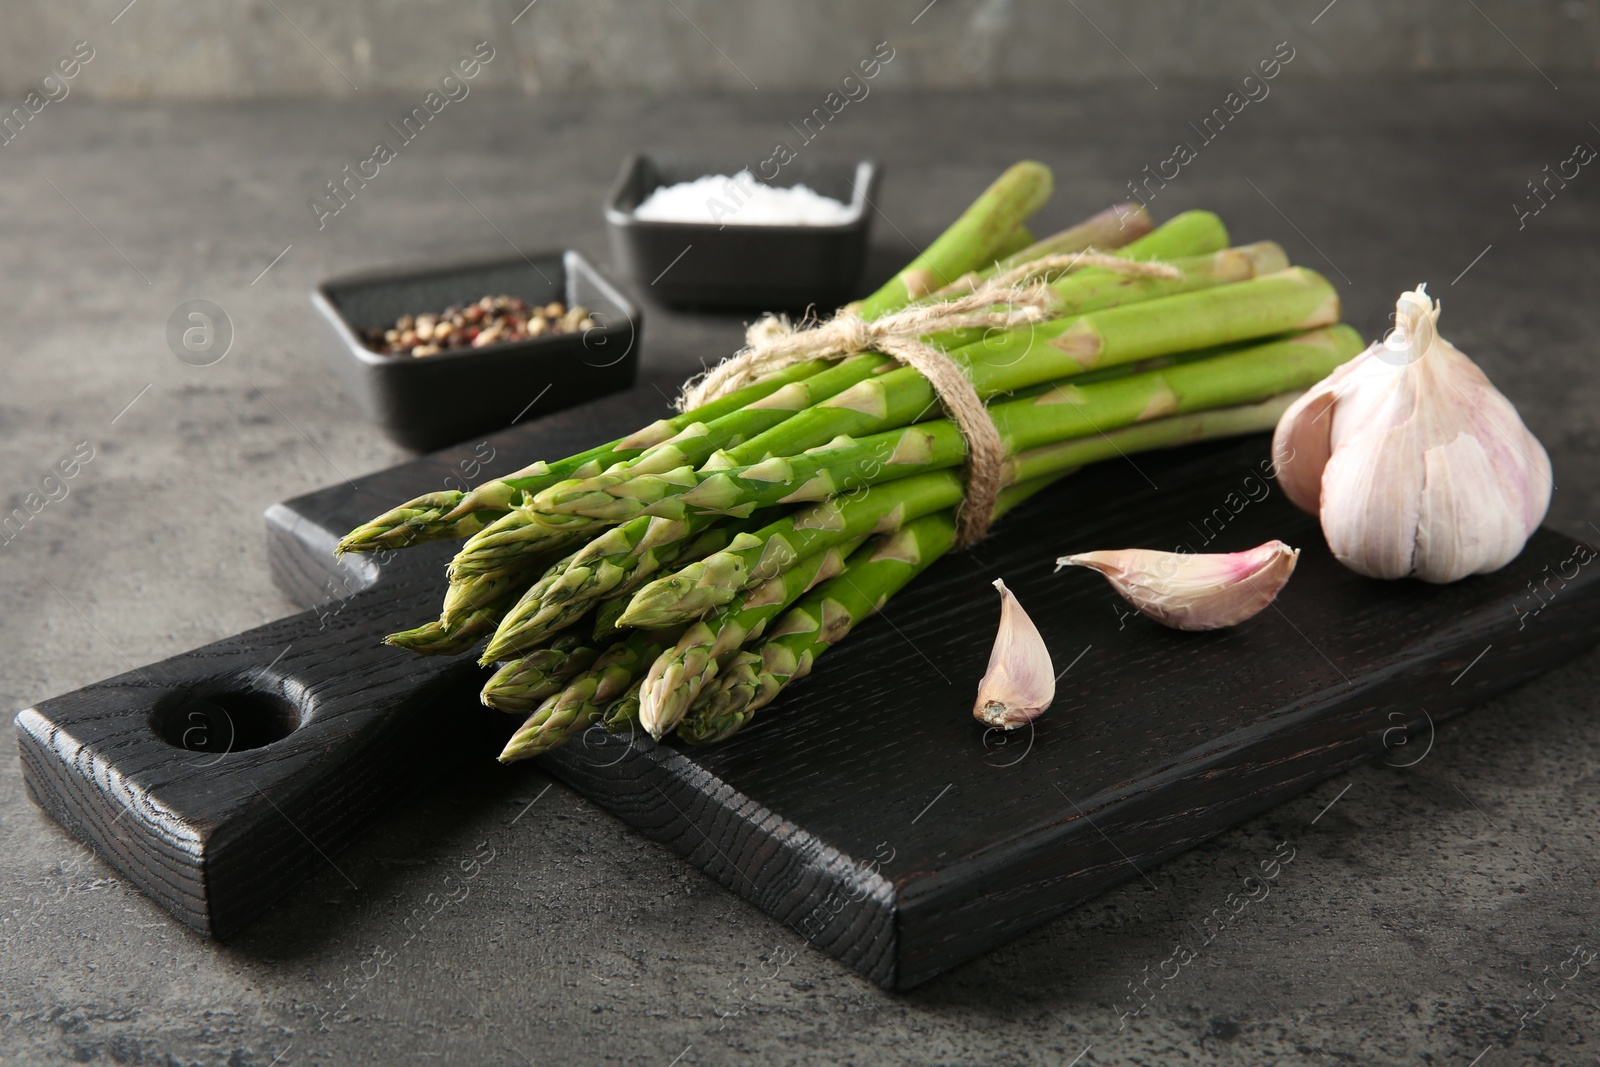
(219, 778)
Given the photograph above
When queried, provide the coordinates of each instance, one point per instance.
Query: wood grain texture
(865, 808)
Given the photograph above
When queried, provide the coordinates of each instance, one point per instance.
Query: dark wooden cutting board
(865, 809)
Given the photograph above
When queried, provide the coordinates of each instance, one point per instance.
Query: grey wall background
(202, 49)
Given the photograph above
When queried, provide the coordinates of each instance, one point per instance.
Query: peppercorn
(490, 320)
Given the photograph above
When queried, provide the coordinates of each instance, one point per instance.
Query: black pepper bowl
(736, 265)
(426, 402)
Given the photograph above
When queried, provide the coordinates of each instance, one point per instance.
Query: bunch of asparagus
(679, 578)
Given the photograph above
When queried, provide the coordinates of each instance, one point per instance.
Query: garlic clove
(1194, 591)
(1460, 481)
(1421, 466)
(1371, 490)
(1020, 682)
(1302, 444)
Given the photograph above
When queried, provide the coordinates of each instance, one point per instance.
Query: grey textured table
(1423, 903)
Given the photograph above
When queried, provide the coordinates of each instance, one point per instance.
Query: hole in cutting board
(221, 719)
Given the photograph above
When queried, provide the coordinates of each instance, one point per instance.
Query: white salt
(741, 200)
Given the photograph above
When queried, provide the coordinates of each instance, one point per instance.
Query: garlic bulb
(1020, 682)
(1415, 462)
(1194, 591)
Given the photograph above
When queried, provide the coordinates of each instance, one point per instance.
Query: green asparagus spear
(509, 541)
(607, 615)
(521, 685)
(724, 707)
(455, 636)
(412, 523)
(1095, 289)
(971, 240)
(676, 677)
(462, 597)
(533, 594)
(1110, 229)
(584, 700)
(1018, 239)
(623, 712)
(1123, 231)
(1210, 425)
(1190, 233)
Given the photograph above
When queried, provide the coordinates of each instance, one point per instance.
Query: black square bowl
(734, 265)
(427, 402)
